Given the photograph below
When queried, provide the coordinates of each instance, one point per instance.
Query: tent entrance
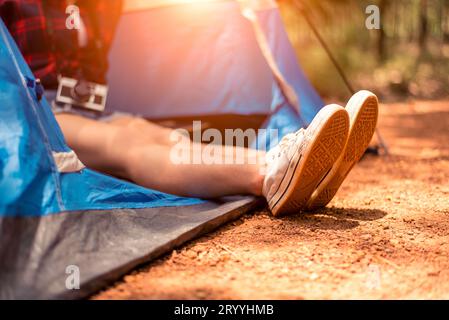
(219, 122)
(136, 5)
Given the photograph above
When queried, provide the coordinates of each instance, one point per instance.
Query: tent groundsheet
(61, 222)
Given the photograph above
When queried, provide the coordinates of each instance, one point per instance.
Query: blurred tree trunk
(423, 26)
(441, 25)
(396, 19)
(381, 52)
(410, 19)
(445, 26)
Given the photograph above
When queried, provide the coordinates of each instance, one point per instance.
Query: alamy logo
(206, 147)
(72, 282)
(373, 19)
(73, 21)
(373, 279)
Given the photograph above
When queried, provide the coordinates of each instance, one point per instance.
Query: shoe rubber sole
(326, 136)
(363, 111)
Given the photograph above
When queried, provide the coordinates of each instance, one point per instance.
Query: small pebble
(365, 236)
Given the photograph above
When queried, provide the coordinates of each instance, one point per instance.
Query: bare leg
(140, 151)
(167, 137)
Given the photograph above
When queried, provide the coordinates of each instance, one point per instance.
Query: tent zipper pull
(37, 86)
(39, 89)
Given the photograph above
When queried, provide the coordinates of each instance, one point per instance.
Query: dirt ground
(384, 236)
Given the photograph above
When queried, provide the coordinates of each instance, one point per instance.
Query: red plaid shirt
(59, 53)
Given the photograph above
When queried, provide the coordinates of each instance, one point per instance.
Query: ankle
(256, 184)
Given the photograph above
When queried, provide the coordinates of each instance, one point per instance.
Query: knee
(147, 132)
(146, 165)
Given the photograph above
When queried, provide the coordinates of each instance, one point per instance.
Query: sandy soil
(384, 236)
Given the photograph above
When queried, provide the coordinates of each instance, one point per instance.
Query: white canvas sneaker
(296, 166)
(363, 111)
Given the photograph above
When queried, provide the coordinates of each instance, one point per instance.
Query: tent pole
(336, 64)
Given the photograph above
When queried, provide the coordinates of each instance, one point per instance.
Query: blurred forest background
(408, 57)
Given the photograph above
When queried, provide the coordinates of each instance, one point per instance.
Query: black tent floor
(38, 253)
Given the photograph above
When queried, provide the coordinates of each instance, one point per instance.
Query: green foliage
(409, 56)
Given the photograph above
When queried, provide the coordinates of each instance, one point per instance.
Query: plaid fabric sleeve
(107, 13)
(59, 53)
(26, 22)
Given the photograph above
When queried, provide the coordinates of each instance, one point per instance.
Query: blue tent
(56, 215)
(188, 58)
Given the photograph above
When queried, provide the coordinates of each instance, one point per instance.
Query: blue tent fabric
(204, 59)
(283, 121)
(28, 137)
(51, 220)
(309, 100)
(208, 63)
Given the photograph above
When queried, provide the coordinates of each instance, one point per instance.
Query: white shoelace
(291, 138)
(287, 142)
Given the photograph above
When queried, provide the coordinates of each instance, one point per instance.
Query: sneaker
(363, 111)
(296, 166)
